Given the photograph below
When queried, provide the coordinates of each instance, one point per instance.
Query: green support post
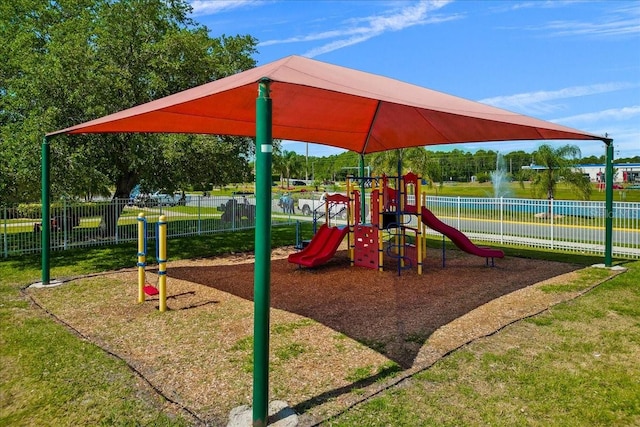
(46, 214)
(608, 222)
(262, 272)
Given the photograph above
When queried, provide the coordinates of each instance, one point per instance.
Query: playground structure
(145, 288)
(396, 227)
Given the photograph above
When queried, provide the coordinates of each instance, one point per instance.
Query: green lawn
(574, 365)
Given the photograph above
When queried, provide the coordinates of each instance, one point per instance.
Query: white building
(628, 173)
(624, 172)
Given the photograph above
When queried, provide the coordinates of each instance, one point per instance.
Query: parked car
(159, 198)
(309, 206)
(165, 199)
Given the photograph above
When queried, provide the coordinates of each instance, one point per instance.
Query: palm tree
(558, 164)
(428, 168)
(291, 164)
(386, 162)
(415, 159)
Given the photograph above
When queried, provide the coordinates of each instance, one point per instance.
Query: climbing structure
(392, 224)
(397, 225)
(394, 229)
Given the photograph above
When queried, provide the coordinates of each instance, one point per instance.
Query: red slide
(322, 247)
(457, 237)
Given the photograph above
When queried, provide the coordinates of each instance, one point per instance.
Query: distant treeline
(454, 165)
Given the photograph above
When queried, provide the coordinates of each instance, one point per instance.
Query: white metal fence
(557, 224)
(75, 225)
(565, 225)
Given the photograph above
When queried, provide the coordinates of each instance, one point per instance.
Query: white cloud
(312, 37)
(211, 7)
(359, 30)
(618, 21)
(626, 140)
(540, 101)
(574, 28)
(538, 4)
(617, 114)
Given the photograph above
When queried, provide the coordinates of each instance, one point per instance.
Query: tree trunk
(112, 212)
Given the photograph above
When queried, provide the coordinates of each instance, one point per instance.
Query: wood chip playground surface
(337, 332)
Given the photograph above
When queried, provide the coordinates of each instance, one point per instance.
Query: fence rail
(78, 225)
(574, 226)
(567, 225)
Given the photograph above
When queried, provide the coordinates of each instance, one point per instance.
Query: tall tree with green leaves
(386, 162)
(288, 164)
(558, 165)
(69, 61)
(415, 159)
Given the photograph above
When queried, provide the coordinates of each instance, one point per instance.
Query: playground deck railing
(575, 226)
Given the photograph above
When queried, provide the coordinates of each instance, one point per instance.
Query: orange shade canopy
(327, 104)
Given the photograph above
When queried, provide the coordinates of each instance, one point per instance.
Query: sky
(573, 62)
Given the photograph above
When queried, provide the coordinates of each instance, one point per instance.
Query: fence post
(502, 219)
(4, 234)
(118, 201)
(552, 215)
(233, 212)
(458, 212)
(65, 236)
(199, 215)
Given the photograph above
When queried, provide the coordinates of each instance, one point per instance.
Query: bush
(483, 177)
(29, 210)
(34, 210)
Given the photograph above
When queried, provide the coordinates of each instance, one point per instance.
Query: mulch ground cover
(337, 332)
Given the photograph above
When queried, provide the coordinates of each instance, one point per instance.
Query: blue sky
(576, 63)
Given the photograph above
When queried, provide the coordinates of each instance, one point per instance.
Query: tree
(558, 163)
(592, 160)
(69, 61)
(386, 162)
(515, 160)
(483, 162)
(288, 163)
(204, 160)
(416, 159)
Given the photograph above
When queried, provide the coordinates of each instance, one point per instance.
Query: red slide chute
(457, 237)
(322, 247)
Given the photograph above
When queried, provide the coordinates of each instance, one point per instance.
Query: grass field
(574, 365)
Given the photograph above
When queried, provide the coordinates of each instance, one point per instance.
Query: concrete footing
(280, 415)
